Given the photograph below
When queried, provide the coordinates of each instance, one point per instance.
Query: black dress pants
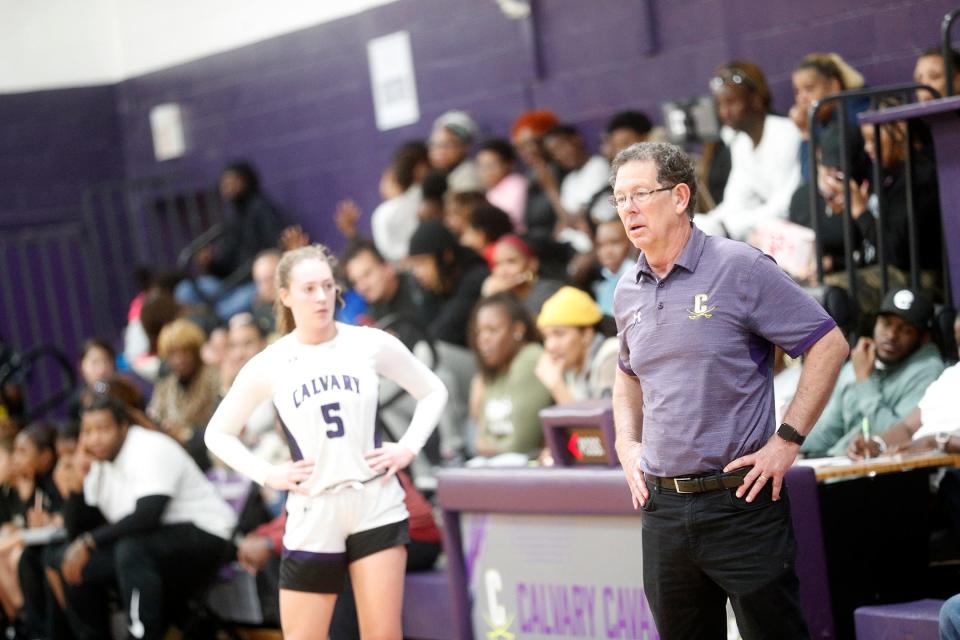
(155, 573)
(699, 549)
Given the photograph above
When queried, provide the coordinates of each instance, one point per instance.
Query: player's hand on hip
(290, 475)
(389, 458)
(770, 464)
(630, 461)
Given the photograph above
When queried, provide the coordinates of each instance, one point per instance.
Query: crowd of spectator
(496, 260)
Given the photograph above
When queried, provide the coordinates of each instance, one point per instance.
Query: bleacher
(66, 280)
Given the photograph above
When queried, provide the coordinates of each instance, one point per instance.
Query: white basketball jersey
(326, 396)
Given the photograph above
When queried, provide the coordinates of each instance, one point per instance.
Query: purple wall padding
(53, 144)
(811, 561)
(917, 620)
(427, 614)
(604, 492)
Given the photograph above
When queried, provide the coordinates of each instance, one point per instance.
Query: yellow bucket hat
(569, 307)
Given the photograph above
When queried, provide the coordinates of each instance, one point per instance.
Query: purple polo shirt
(700, 341)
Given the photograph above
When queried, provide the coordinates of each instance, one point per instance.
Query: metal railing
(142, 222)
(946, 27)
(63, 283)
(842, 101)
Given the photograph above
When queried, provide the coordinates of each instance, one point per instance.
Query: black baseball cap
(913, 306)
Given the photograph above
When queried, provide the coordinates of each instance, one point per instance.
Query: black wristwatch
(790, 434)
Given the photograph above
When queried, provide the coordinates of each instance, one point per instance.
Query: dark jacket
(255, 225)
(450, 324)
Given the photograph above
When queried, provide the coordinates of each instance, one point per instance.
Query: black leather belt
(702, 483)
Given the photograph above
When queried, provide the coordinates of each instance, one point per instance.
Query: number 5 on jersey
(331, 417)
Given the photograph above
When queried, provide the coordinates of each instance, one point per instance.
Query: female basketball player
(345, 509)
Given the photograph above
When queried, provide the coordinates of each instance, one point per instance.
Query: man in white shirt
(764, 153)
(167, 530)
(586, 175)
(933, 424)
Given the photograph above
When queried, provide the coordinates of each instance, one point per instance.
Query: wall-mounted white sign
(166, 125)
(393, 81)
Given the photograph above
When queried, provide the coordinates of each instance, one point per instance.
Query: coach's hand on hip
(630, 461)
(770, 464)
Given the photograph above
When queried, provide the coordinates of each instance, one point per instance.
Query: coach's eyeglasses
(638, 197)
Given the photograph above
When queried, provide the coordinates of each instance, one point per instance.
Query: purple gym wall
(300, 106)
(53, 145)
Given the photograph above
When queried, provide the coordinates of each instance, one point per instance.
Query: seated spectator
(930, 71)
(586, 175)
(814, 78)
(65, 446)
(159, 309)
(12, 508)
(932, 424)
(395, 219)
(97, 364)
(264, 273)
(496, 162)
(254, 226)
(184, 401)
(34, 460)
(260, 434)
(893, 192)
(434, 189)
(387, 291)
(458, 209)
(950, 619)
(166, 535)
(526, 136)
(506, 396)
(764, 153)
(11, 503)
(623, 129)
(452, 276)
(450, 272)
(486, 226)
(831, 222)
(214, 348)
(126, 392)
(885, 378)
(616, 256)
(578, 362)
(245, 340)
(516, 269)
(449, 148)
(397, 294)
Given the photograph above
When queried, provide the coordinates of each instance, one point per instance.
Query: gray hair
(673, 164)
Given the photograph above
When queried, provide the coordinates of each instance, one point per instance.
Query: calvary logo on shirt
(700, 308)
